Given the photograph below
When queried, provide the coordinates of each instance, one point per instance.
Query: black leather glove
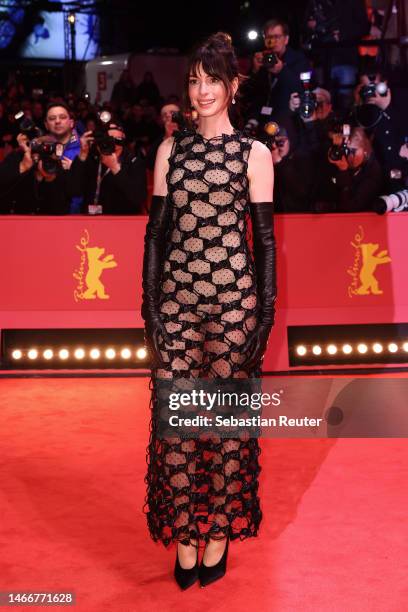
(265, 262)
(155, 241)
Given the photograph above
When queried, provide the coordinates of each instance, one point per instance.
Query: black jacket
(123, 193)
(23, 194)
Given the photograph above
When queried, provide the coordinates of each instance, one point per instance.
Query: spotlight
(332, 349)
(71, 18)
(48, 354)
(392, 347)
(362, 348)
(252, 34)
(95, 353)
(301, 350)
(405, 347)
(63, 354)
(110, 353)
(125, 353)
(377, 347)
(17, 354)
(79, 353)
(141, 353)
(317, 350)
(347, 349)
(32, 354)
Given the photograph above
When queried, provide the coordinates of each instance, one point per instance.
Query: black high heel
(214, 572)
(185, 578)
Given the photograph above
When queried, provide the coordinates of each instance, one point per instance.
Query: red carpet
(333, 538)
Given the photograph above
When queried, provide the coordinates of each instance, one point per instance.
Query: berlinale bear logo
(90, 270)
(366, 260)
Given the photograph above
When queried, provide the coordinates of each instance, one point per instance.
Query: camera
(339, 148)
(372, 89)
(27, 126)
(48, 151)
(272, 130)
(104, 143)
(269, 59)
(308, 100)
(395, 202)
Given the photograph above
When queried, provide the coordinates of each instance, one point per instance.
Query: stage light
(362, 348)
(71, 18)
(48, 354)
(405, 347)
(32, 354)
(317, 350)
(17, 354)
(347, 349)
(110, 353)
(301, 350)
(126, 353)
(392, 347)
(332, 349)
(79, 353)
(63, 354)
(141, 353)
(252, 34)
(95, 353)
(377, 347)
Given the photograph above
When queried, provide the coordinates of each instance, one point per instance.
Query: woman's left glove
(155, 241)
(265, 263)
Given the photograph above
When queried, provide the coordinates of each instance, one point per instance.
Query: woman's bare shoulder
(165, 148)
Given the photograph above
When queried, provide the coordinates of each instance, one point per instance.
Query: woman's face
(208, 94)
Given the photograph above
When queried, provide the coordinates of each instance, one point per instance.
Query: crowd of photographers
(337, 131)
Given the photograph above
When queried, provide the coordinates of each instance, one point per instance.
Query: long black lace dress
(200, 489)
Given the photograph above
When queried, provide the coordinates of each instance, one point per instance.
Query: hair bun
(221, 39)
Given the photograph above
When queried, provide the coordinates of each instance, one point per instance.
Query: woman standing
(208, 311)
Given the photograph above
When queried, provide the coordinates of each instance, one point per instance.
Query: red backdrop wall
(86, 272)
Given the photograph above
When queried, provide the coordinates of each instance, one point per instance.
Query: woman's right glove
(265, 263)
(155, 242)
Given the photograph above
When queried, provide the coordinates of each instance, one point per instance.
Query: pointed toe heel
(209, 574)
(185, 578)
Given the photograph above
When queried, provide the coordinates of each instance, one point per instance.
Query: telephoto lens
(395, 202)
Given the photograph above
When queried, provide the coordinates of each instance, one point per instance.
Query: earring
(233, 100)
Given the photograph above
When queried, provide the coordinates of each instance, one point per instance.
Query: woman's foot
(187, 554)
(214, 551)
(186, 567)
(214, 563)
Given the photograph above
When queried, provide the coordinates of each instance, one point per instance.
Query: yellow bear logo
(369, 284)
(95, 268)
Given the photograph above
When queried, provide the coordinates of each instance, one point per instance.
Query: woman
(207, 311)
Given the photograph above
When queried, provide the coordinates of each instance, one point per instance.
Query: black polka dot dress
(200, 489)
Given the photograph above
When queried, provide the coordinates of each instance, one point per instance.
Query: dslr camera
(373, 88)
(104, 143)
(308, 100)
(339, 148)
(269, 59)
(43, 147)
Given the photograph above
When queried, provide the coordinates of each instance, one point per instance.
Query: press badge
(266, 110)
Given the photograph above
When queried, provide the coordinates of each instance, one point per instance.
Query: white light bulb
(252, 34)
(32, 354)
(392, 347)
(301, 350)
(362, 348)
(79, 353)
(405, 347)
(48, 354)
(332, 349)
(110, 353)
(377, 347)
(17, 354)
(63, 354)
(126, 353)
(317, 350)
(141, 353)
(95, 353)
(347, 349)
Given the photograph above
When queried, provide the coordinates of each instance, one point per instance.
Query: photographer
(32, 178)
(384, 119)
(112, 180)
(337, 21)
(294, 176)
(275, 74)
(356, 179)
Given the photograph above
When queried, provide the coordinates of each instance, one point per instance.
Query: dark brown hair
(217, 57)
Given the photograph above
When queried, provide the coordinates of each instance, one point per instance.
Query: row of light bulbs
(78, 353)
(362, 348)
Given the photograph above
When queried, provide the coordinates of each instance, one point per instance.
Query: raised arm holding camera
(111, 180)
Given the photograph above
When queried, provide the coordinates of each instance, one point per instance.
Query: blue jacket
(71, 150)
